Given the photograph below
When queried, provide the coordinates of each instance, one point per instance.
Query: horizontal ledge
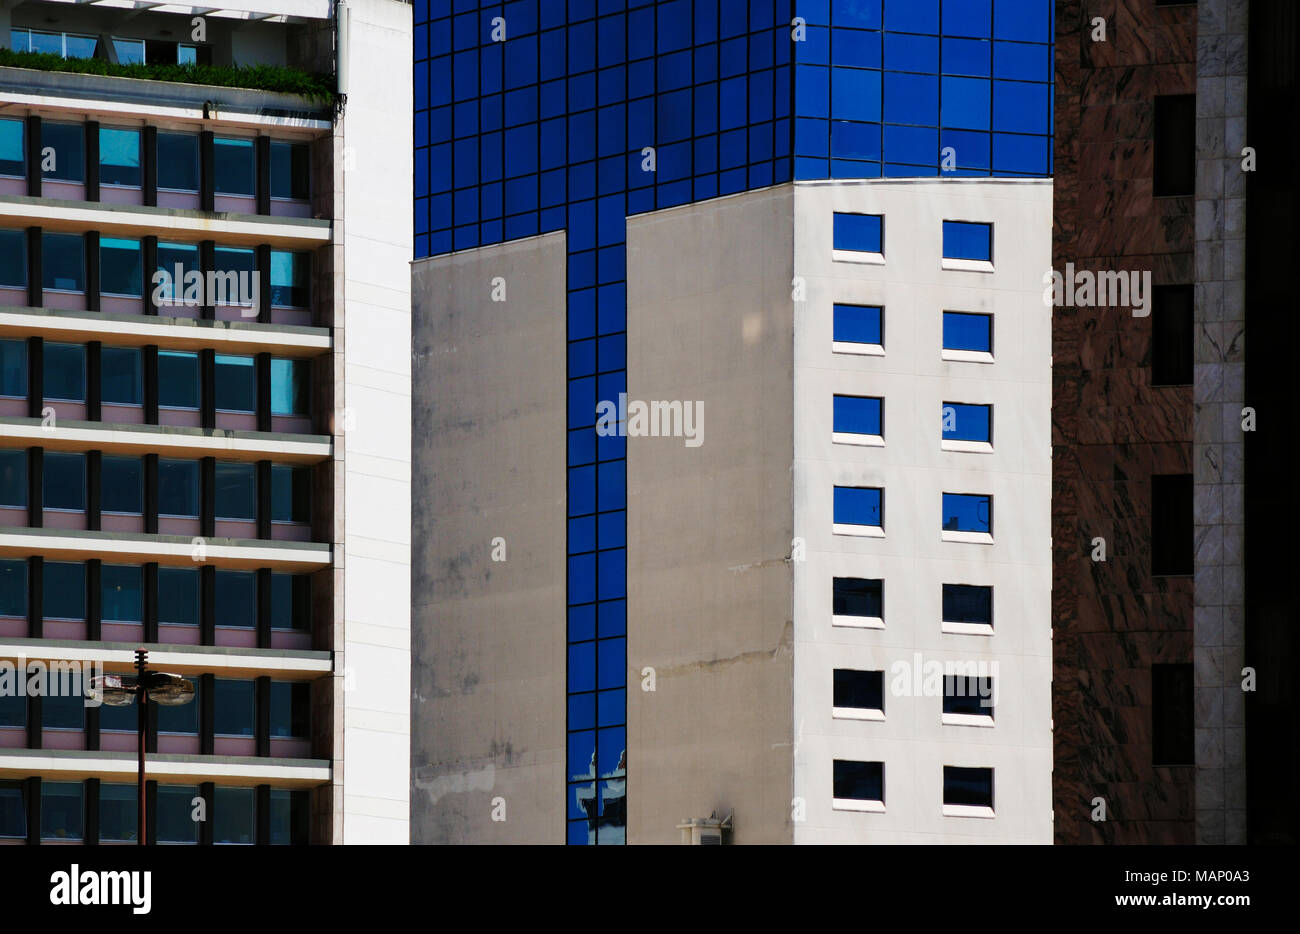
(175, 550)
(858, 713)
(967, 356)
(851, 437)
(967, 629)
(860, 531)
(967, 265)
(167, 332)
(970, 538)
(287, 664)
(858, 622)
(860, 350)
(860, 257)
(167, 441)
(967, 447)
(75, 764)
(853, 804)
(966, 719)
(967, 810)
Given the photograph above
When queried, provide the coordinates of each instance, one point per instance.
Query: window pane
(178, 379)
(966, 331)
(1174, 171)
(63, 262)
(62, 810)
(970, 787)
(119, 154)
(236, 384)
(967, 512)
(290, 493)
(234, 173)
(13, 810)
(236, 491)
(290, 601)
(178, 596)
(234, 818)
(13, 378)
(13, 711)
(64, 478)
(859, 324)
(236, 599)
(864, 690)
(859, 781)
(290, 709)
(858, 506)
(177, 260)
(964, 422)
(13, 259)
(120, 591)
(13, 587)
(121, 375)
(118, 813)
(856, 596)
(129, 51)
(290, 170)
(68, 161)
(290, 279)
(232, 709)
(966, 603)
(1172, 531)
(63, 590)
(64, 706)
(79, 46)
(1172, 328)
(290, 816)
(181, 718)
(859, 415)
(972, 697)
(175, 814)
(178, 488)
(289, 387)
(121, 267)
(122, 485)
(13, 478)
(65, 372)
(859, 232)
(236, 279)
(178, 162)
(12, 155)
(965, 240)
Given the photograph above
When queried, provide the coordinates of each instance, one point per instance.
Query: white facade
(915, 286)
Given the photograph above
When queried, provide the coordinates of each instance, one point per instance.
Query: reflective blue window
(966, 422)
(858, 324)
(967, 512)
(967, 240)
(858, 415)
(863, 233)
(967, 331)
(857, 505)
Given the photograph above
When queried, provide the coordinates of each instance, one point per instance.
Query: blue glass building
(541, 115)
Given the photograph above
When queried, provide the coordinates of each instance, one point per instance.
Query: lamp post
(146, 687)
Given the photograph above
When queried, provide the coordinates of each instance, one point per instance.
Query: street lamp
(147, 687)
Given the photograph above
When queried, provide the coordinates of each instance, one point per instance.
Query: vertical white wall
(376, 221)
(914, 471)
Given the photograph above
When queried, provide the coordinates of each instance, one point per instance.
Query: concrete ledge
(229, 661)
(174, 550)
(75, 765)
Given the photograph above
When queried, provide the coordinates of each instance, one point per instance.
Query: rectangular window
(290, 279)
(118, 719)
(858, 509)
(966, 789)
(858, 596)
(233, 707)
(857, 417)
(968, 604)
(1171, 715)
(121, 379)
(236, 384)
(13, 710)
(855, 691)
(290, 387)
(967, 332)
(64, 480)
(236, 599)
(65, 373)
(234, 817)
(13, 810)
(175, 807)
(178, 488)
(291, 601)
(236, 277)
(236, 492)
(1174, 165)
(121, 588)
(178, 162)
(968, 240)
(63, 262)
(178, 379)
(64, 706)
(118, 818)
(13, 587)
(63, 810)
(177, 260)
(129, 51)
(968, 512)
(963, 421)
(967, 697)
(234, 172)
(859, 233)
(13, 259)
(178, 596)
(13, 478)
(13, 377)
(67, 163)
(290, 709)
(119, 156)
(290, 817)
(1172, 549)
(858, 324)
(13, 159)
(121, 267)
(121, 485)
(290, 170)
(290, 493)
(1172, 328)
(859, 782)
(63, 590)
(181, 719)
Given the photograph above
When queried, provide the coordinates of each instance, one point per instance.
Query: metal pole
(141, 698)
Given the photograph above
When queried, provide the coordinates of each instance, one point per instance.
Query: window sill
(967, 265)
(967, 447)
(850, 437)
(967, 719)
(856, 256)
(853, 804)
(858, 713)
(861, 350)
(968, 356)
(967, 810)
(859, 531)
(858, 622)
(967, 629)
(970, 538)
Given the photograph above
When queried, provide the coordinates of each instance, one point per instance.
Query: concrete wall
(376, 480)
(488, 642)
(914, 381)
(709, 527)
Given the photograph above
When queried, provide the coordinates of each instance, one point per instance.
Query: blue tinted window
(966, 240)
(12, 157)
(966, 331)
(967, 512)
(859, 324)
(966, 422)
(857, 505)
(860, 415)
(862, 233)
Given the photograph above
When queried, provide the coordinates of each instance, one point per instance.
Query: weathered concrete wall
(488, 637)
(709, 527)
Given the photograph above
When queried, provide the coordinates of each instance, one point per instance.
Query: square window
(174, 823)
(1171, 715)
(858, 324)
(290, 493)
(1174, 167)
(290, 171)
(233, 167)
(121, 375)
(854, 781)
(966, 422)
(968, 332)
(233, 709)
(967, 696)
(177, 260)
(121, 485)
(859, 233)
(965, 788)
(178, 163)
(234, 815)
(121, 267)
(1172, 534)
(859, 691)
(120, 590)
(119, 157)
(859, 510)
(63, 262)
(235, 492)
(63, 590)
(63, 810)
(236, 384)
(64, 480)
(64, 379)
(178, 379)
(968, 604)
(1171, 336)
(859, 597)
(967, 240)
(178, 488)
(178, 596)
(67, 163)
(968, 513)
(859, 417)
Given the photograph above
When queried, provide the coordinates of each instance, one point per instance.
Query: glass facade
(543, 115)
